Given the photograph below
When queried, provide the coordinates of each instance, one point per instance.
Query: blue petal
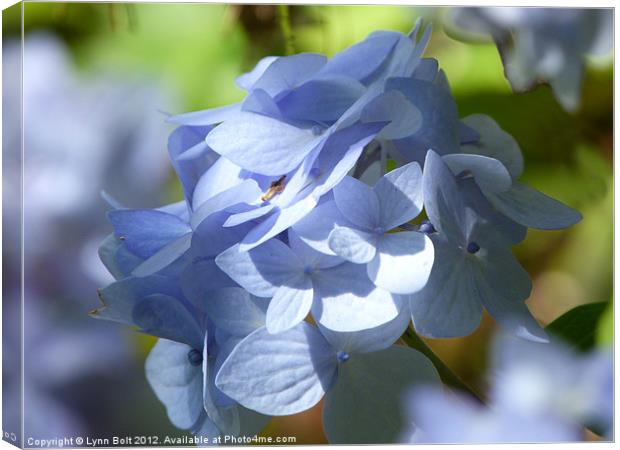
(250, 215)
(503, 286)
(314, 229)
(403, 262)
(289, 305)
(296, 184)
(261, 103)
(263, 269)
(277, 222)
(340, 153)
(288, 72)
(405, 56)
(427, 69)
(494, 143)
(177, 384)
(225, 418)
(178, 209)
(346, 300)
(362, 60)
(310, 257)
(489, 173)
(116, 258)
(356, 246)
(190, 155)
(207, 116)
(449, 305)
(400, 195)
(110, 200)
(534, 209)
(166, 317)
(221, 176)
(211, 237)
(429, 408)
(164, 257)
(470, 423)
(223, 348)
(261, 144)
(440, 130)
(372, 339)
(393, 107)
(475, 199)
(146, 231)
(358, 203)
(365, 409)
(467, 135)
(279, 374)
(566, 86)
(199, 278)
(120, 297)
(246, 192)
(206, 429)
(236, 311)
(442, 199)
(321, 100)
(247, 80)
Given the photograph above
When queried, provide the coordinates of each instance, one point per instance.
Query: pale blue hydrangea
(538, 393)
(290, 218)
(537, 44)
(81, 132)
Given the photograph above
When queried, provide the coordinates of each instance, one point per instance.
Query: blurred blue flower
(542, 43)
(538, 393)
(81, 134)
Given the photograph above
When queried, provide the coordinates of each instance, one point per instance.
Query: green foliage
(578, 327)
(447, 375)
(605, 330)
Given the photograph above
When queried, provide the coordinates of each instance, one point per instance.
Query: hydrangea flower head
(292, 266)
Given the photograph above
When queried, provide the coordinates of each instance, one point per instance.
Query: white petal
(403, 262)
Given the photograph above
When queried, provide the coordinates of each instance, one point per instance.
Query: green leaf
(578, 326)
(446, 374)
(605, 330)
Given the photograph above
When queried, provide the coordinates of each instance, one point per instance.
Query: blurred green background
(198, 50)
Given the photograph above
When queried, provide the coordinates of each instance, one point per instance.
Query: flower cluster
(534, 398)
(542, 43)
(297, 260)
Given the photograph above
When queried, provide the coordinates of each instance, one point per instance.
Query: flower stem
(287, 31)
(447, 375)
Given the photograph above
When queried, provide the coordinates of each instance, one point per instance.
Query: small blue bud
(427, 227)
(195, 357)
(342, 356)
(317, 130)
(472, 247)
(308, 269)
(315, 172)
